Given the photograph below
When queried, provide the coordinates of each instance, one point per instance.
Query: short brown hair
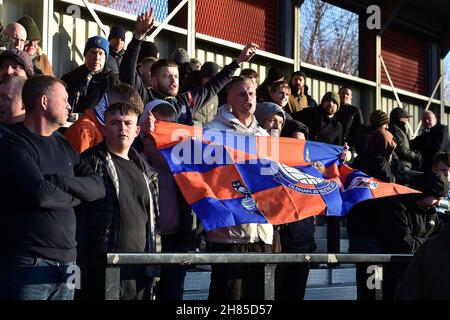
(125, 93)
(279, 84)
(122, 108)
(35, 87)
(249, 73)
(162, 63)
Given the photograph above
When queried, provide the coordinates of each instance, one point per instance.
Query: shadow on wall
(67, 51)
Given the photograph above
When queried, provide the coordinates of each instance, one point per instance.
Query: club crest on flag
(291, 177)
(248, 202)
(363, 182)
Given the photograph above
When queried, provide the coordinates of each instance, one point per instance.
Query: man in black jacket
(41, 180)
(164, 73)
(349, 116)
(124, 220)
(321, 121)
(396, 224)
(88, 83)
(409, 158)
(433, 139)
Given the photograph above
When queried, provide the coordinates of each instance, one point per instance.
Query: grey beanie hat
(265, 109)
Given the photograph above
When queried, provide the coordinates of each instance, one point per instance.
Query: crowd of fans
(70, 195)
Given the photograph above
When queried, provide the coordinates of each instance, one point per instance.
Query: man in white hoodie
(236, 282)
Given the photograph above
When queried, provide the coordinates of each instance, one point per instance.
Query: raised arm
(128, 72)
(202, 94)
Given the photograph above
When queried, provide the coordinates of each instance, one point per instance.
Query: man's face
(120, 131)
(273, 124)
(441, 168)
(31, 47)
(429, 120)
(404, 120)
(10, 67)
(166, 81)
(58, 107)
(146, 73)
(17, 38)
(429, 202)
(242, 99)
(345, 95)
(298, 82)
(95, 59)
(11, 106)
(330, 107)
(280, 96)
(116, 44)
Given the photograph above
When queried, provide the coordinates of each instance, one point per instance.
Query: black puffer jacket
(100, 84)
(98, 221)
(410, 159)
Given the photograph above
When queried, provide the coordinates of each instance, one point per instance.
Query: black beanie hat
(148, 49)
(431, 184)
(32, 30)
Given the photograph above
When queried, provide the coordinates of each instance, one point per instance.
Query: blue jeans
(34, 278)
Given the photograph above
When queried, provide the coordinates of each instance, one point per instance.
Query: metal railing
(269, 260)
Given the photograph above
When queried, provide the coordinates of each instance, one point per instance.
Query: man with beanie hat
(116, 40)
(322, 125)
(40, 60)
(379, 119)
(409, 159)
(395, 224)
(148, 49)
(271, 117)
(88, 83)
(15, 62)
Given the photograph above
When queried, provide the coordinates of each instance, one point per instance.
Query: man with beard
(299, 97)
(165, 76)
(322, 125)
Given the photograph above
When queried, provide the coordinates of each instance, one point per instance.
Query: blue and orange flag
(230, 179)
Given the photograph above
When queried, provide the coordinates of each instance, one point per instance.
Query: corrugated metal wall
(405, 56)
(239, 21)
